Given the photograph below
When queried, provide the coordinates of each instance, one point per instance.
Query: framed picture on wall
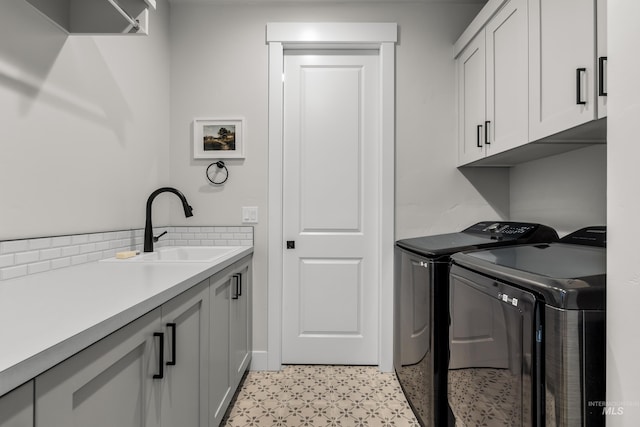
(218, 138)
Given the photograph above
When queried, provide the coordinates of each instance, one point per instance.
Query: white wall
(219, 68)
(567, 191)
(623, 211)
(91, 125)
(85, 125)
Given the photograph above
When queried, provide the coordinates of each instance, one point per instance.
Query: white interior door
(331, 197)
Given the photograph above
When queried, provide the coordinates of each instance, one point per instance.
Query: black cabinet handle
(239, 284)
(235, 291)
(160, 373)
(486, 132)
(478, 133)
(172, 326)
(579, 72)
(601, 62)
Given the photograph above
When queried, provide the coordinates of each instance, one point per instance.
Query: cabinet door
(108, 384)
(220, 389)
(185, 389)
(507, 119)
(602, 57)
(16, 407)
(240, 334)
(470, 68)
(561, 42)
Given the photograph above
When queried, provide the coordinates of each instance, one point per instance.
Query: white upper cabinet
(601, 30)
(531, 71)
(562, 55)
(471, 73)
(97, 16)
(507, 71)
(492, 86)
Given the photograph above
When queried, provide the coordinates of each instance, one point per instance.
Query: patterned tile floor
(485, 397)
(319, 395)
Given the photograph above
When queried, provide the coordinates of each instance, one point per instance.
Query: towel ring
(212, 175)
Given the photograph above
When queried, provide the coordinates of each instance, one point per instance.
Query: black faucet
(148, 228)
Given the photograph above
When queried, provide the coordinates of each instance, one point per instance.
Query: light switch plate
(249, 214)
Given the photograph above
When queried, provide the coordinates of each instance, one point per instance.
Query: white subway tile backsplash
(50, 253)
(124, 235)
(96, 237)
(101, 246)
(89, 247)
(13, 272)
(60, 263)
(27, 257)
(39, 267)
(40, 243)
(94, 256)
(14, 246)
(112, 235)
(79, 259)
(69, 250)
(109, 253)
(30, 256)
(79, 239)
(6, 260)
(60, 241)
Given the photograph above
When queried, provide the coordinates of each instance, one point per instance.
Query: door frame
(282, 36)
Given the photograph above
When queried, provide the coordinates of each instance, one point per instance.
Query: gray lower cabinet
(240, 323)
(219, 378)
(107, 384)
(16, 407)
(185, 386)
(176, 366)
(230, 346)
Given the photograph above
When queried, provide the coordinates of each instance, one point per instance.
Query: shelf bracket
(134, 23)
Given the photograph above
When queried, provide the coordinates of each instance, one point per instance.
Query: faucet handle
(156, 238)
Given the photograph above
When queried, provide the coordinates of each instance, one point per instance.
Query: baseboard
(259, 361)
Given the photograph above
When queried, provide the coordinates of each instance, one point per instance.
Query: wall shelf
(97, 16)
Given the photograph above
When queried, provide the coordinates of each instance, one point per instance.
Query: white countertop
(47, 317)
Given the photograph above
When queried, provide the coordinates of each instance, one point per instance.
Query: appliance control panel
(502, 230)
(589, 236)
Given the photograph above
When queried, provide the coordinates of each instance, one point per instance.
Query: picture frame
(218, 138)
